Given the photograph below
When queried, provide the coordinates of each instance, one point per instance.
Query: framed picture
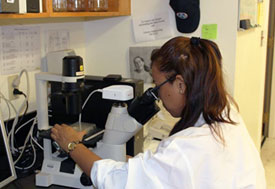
(140, 63)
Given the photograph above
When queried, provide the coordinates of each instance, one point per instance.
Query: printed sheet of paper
(57, 40)
(152, 27)
(20, 49)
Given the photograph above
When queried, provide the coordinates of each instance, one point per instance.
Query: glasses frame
(155, 90)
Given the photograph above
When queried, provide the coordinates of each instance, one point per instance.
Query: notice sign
(209, 31)
(152, 27)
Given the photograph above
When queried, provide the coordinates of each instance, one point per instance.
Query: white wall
(76, 42)
(108, 40)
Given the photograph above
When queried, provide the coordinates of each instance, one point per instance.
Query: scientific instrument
(123, 123)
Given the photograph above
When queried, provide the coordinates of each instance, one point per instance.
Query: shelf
(116, 8)
(28, 15)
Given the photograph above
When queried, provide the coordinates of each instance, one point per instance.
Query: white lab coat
(190, 159)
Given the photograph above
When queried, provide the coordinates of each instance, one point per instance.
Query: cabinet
(116, 8)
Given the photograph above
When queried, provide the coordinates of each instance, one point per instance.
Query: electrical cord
(34, 157)
(26, 140)
(83, 106)
(21, 126)
(16, 83)
(22, 162)
(18, 92)
(8, 103)
(26, 152)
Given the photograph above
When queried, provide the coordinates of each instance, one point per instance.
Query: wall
(76, 42)
(108, 40)
(250, 76)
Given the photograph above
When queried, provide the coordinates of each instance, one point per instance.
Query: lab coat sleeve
(108, 173)
(160, 170)
(166, 169)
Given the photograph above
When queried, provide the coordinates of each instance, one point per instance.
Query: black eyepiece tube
(144, 107)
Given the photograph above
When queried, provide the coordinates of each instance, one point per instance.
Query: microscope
(123, 122)
(72, 82)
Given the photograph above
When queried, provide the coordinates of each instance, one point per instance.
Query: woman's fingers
(54, 130)
(53, 136)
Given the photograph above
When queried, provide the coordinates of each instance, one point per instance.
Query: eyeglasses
(155, 91)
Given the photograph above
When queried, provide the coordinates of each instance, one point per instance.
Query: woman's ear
(180, 84)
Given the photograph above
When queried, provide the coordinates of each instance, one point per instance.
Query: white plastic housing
(120, 127)
(118, 92)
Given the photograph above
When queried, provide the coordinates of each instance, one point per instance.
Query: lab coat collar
(200, 121)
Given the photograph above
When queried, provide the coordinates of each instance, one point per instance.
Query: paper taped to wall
(151, 27)
(19, 49)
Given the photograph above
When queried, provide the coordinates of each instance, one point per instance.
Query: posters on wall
(19, 49)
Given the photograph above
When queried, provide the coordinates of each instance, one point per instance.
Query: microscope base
(51, 175)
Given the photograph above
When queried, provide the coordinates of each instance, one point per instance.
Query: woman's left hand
(64, 134)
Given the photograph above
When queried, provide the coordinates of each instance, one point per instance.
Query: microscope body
(51, 171)
(123, 122)
(56, 169)
(119, 127)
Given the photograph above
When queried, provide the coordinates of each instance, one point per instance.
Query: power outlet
(10, 87)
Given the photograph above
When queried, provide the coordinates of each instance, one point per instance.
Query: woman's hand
(64, 134)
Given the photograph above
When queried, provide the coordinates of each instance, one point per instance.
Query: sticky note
(209, 31)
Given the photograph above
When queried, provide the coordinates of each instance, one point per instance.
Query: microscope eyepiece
(144, 107)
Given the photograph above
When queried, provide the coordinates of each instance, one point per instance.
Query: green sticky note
(209, 31)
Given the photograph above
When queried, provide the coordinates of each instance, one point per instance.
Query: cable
(22, 117)
(8, 102)
(16, 91)
(16, 83)
(83, 106)
(25, 143)
(11, 133)
(30, 136)
(21, 126)
(37, 143)
(34, 156)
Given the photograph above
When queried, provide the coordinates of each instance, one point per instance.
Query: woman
(141, 71)
(208, 148)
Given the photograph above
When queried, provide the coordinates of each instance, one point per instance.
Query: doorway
(268, 129)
